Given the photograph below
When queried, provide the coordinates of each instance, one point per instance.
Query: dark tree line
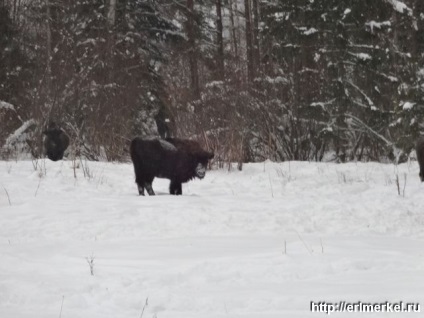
(94, 68)
(252, 79)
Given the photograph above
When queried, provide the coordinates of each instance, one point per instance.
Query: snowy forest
(338, 80)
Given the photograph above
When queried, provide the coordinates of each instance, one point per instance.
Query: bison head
(202, 163)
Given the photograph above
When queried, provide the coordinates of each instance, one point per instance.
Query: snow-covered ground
(263, 242)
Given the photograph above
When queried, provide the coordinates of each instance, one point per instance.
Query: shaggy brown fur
(189, 146)
(176, 159)
(419, 148)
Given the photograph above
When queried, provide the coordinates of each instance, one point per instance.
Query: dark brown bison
(419, 148)
(179, 160)
(55, 142)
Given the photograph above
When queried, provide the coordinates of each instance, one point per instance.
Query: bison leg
(140, 189)
(140, 183)
(172, 187)
(139, 176)
(179, 189)
(148, 186)
(175, 188)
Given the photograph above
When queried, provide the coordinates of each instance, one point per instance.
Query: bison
(179, 160)
(55, 142)
(419, 148)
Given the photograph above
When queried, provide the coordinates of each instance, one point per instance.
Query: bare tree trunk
(48, 45)
(15, 9)
(256, 48)
(249, 46)
(395, 39)
(111, 13)
(233, 28)
(111, 19)
(220, 42)
(418, 10)
(192, 52)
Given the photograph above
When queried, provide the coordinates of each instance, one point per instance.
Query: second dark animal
(419, 148)
(179, 160)
(55, 142)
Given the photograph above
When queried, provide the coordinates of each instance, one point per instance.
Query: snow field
(263, 242)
